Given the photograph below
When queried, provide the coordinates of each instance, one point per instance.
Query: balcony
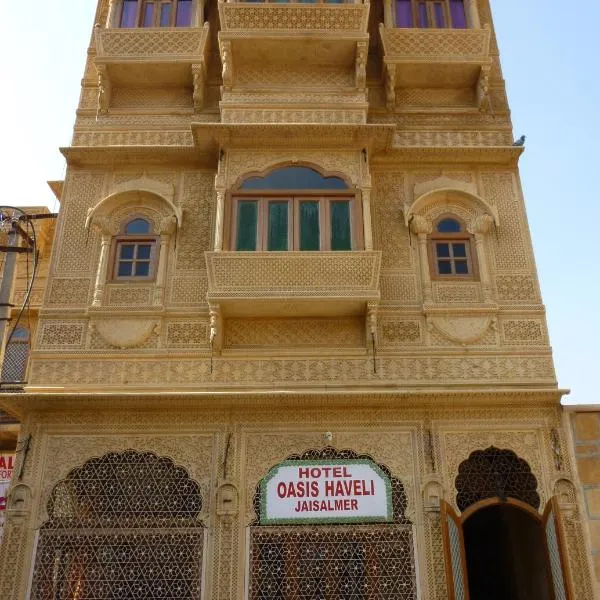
(434, 58)
(294, 50)
(293, 283)
(157, 57)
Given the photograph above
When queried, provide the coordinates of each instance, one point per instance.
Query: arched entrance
(500, 547)
(505, 552)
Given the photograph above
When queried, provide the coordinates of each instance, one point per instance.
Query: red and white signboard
(334, 491)
(6, 470)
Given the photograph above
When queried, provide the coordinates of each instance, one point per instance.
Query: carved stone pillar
(218, 246)
(422, 228)
(388, 17)
(366, 215)
(199, 77)
(472, 14)
(167, 228)
(479, 228)
(102, 269)
(111, 14)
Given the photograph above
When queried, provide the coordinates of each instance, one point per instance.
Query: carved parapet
(450, 58)
(323, 17)
(164, 56)
(324, 283)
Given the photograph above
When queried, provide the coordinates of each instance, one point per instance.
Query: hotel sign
(325, 491)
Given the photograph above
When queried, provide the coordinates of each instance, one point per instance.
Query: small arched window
(135, 251)
(156, 13)
(451, 250)
(295, 208)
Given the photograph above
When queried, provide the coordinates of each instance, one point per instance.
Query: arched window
(156, 13)
(295, 208)
(135, 251)
(332, 560)
(16, 356)
(501, 546)
(451, 250)
(427, 14)
(125, 525)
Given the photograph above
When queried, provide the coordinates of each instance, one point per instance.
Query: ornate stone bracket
(215, 328)
(199, 78)
(390, 86)
(104, 89)
(483, 89)
(227, 62)
(361, 65)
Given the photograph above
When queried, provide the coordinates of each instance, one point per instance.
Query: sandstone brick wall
(586, 437)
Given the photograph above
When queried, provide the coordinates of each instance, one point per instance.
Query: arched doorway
(500, 547)
(125, 525)
(505, 552)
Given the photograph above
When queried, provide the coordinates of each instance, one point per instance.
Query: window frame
(325, 199)
(135, 239)
(463, 236)
(140, 11)
(431, 15)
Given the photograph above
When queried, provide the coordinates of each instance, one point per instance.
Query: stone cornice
(499, 155)
(21, 404)
(374, 137)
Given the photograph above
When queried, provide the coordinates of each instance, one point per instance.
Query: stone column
(218, 245)
(422, 228)
(388, 16)
(102, 269)
(479, 228)
(366, 215)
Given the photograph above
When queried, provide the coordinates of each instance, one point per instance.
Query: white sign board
(6, 470)
(331, 491)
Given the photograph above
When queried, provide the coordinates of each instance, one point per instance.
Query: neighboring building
(292, 344)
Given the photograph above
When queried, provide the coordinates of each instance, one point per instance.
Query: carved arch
(458, 199)
(325, 173)
(135, 195)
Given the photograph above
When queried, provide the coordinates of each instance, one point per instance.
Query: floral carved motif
(125, 333)
(464, 330)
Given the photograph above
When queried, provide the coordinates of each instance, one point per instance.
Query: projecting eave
(19, 405)
(119, 156)
(57, 188)
(375, 138)
(492, 155)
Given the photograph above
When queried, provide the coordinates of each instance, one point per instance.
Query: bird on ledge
(520, 141)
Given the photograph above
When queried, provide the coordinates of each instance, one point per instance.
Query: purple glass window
(438, 10)
(148, 15)
(184, 13)
(422, 12)
(404, 13)
(129, 13)
(457, 14)
(165, 15)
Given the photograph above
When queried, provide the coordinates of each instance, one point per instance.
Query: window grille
(334, 562)
(122, 526)
(494, 473)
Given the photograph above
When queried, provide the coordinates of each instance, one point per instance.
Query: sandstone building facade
(293, 243)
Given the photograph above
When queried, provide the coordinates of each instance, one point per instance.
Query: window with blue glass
(135, 251)
(294, 208)
(155, 13)
(431, 14)
(451, 249)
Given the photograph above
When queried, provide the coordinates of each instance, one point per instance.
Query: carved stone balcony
(311, 58)
(293, 283)
(435, 58)
(151, 57)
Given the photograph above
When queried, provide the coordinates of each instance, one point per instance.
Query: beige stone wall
(586, 438)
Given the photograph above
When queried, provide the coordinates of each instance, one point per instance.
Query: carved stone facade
(226, 363)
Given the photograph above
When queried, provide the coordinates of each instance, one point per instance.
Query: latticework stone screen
(122, 526)
(334, 562)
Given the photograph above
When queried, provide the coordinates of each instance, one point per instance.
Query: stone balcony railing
(436, 58)
(331, 18)
(293, 283)
(435, 45)
(151, 44)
